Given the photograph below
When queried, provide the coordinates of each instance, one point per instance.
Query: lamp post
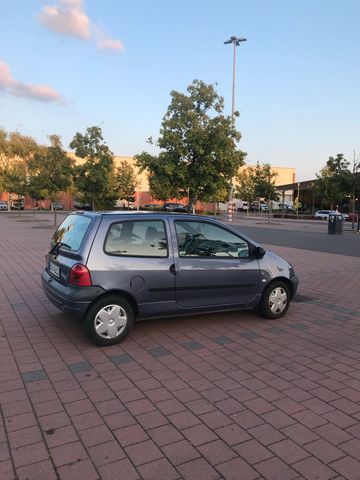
(236, 42)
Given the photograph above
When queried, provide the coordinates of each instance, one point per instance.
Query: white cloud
(6, 79)
(69, 18)
(43, 93)
(110, 44)
(104, 42)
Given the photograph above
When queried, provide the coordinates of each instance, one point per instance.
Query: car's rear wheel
(109, 320)
(275, 300)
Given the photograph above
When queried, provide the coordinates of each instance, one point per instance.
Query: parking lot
(221, 396)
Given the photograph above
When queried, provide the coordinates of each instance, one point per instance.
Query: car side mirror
(258, 252)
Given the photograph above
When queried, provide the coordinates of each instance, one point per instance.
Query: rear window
(72, 231)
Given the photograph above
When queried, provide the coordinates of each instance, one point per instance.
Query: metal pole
(233, 112)
(233, 88)
(235, 41)
(354, 173)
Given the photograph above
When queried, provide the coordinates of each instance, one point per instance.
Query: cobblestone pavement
(221, 396)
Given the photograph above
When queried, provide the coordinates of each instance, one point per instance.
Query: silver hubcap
(278, 300)
(110, 321)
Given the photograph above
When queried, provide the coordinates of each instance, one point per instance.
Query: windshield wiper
(55, 248)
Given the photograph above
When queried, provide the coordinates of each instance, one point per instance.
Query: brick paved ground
(227, 396)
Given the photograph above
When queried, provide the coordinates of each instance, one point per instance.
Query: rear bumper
(68, 298)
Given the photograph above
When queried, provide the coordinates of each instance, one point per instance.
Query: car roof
(144, 213)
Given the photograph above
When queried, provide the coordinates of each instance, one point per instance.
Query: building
(284, 175)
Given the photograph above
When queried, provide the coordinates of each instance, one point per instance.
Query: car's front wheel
(109, 320)
(275, 300)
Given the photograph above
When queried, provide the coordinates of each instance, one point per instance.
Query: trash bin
(335, 225)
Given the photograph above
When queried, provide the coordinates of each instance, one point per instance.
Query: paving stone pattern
(221, 396)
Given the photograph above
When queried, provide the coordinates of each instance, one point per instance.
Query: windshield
(71, 232)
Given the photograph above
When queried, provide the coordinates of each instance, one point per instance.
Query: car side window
(204, 239)
(138, 238)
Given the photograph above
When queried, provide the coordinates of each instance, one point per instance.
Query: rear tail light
(80, 276)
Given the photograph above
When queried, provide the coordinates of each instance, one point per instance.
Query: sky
(66, 65)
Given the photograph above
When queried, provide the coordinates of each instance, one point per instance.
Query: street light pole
(236, 42)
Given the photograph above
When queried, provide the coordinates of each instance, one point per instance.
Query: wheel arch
(287, 283)
(120, 293)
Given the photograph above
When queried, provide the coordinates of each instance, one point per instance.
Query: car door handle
(172, 269)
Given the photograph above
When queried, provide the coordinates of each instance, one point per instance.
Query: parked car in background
(152, 206)
(110, 268)
(57, 206)
(82, 206)
(3, 205)
(352, 217)
(259, 207)
(174, 207)
(324, 214)
(286, 207)
(17, 205)
(242, 206)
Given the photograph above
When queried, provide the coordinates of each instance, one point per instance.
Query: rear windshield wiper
(57, 245)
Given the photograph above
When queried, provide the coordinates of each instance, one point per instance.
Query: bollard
(230, 212)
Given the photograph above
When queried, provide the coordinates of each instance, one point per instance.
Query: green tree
(245, 188)
(334, 180)
(15, 152)
(264, 182)
(125, 181)
(15, 178)
(198, 146)
(159, 176)
(49, 173)
(93, 180)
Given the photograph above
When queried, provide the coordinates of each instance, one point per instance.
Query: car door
(213, 265)
(133, 255)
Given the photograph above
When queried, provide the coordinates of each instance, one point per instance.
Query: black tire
(117, 319)
(275, 300)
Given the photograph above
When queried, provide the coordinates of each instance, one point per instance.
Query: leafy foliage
(50, 171)
(15, 177)
(198, 147)
(245, 188)
(15, 152)
(93, 180)
(125, 181)
(159, 177)
(263, 181)
(334, 180)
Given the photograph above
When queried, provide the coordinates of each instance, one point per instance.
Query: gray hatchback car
(111, 268)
